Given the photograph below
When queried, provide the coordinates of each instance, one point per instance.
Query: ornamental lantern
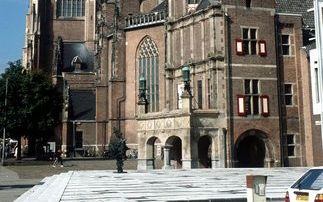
(186, 77)
(142, 88)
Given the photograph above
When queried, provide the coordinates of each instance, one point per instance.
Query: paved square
(160, 185)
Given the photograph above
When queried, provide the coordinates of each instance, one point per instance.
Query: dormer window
(77, 64)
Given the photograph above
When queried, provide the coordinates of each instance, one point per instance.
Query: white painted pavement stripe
(200, 184)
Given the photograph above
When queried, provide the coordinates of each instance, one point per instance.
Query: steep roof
(297, 7)
(205, 3)
(160, 7)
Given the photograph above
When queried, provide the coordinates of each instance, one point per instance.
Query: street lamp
(186, 78)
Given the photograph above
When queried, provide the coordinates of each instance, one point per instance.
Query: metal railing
(145, 19)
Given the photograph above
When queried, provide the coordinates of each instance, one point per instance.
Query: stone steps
(51, 190)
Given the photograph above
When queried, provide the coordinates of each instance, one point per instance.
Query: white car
(308, 188)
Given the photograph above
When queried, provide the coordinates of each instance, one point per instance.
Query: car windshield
(313, 180)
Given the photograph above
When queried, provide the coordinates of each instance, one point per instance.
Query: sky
(12, 30)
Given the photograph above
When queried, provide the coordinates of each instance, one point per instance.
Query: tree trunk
(19, 149)
(31, 146)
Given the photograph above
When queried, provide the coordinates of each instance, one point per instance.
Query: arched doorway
(250, 149)
(205, 151)
(175, 151)
(154, 153)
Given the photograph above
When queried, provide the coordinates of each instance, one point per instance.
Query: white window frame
(289, 94)
(288, 145)
(249, 40)
(314, 84)
(288, 44)
(252, 95)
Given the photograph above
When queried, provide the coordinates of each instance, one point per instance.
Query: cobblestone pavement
(160, 185)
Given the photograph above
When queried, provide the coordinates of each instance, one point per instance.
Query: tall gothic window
(148, 68)
(70, 8)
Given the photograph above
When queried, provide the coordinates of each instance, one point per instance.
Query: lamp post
(318, 4)
(4, 127)
(186, 78)
(73, 140)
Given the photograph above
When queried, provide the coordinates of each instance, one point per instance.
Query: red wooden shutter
(239, 47)
(264, 105)
(262, 48)
(241, 105)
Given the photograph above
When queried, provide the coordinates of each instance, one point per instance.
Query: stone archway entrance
(154, 154)
(250, 149)
(205, 151)
(175, 153)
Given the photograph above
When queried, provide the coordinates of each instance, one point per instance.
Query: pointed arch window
(148, 68)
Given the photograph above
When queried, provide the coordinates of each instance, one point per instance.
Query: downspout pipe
(279, 94)
(229, 138)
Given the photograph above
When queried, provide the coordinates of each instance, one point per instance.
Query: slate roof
(297, 7)
(205, 3)
(71, 50)
(82, 104)
(160, 7)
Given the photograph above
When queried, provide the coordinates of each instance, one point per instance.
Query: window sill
(290, 106)
(292, 157)
(70, 18)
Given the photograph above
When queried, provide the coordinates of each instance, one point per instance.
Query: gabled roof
(297, 7)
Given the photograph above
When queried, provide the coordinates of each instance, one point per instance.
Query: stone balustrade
(145, 19)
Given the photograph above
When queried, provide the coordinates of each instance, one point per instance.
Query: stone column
(218, 159)
(167, 164)
(186, 102)
(64, 141)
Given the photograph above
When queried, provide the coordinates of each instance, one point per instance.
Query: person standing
(58, 159)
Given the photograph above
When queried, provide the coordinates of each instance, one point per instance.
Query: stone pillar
(221, 147)
(64, 141)
(218, 157)
(167, 164)
(186, 102)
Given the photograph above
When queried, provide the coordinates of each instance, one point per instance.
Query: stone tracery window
(149, 69)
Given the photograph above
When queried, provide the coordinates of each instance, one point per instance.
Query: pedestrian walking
(58, 159)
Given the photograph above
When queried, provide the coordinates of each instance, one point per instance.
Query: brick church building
(189, 83)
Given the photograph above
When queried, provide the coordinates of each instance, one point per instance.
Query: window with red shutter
(264, 105)
(239, 47)
(262, 48)
(241, 105)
